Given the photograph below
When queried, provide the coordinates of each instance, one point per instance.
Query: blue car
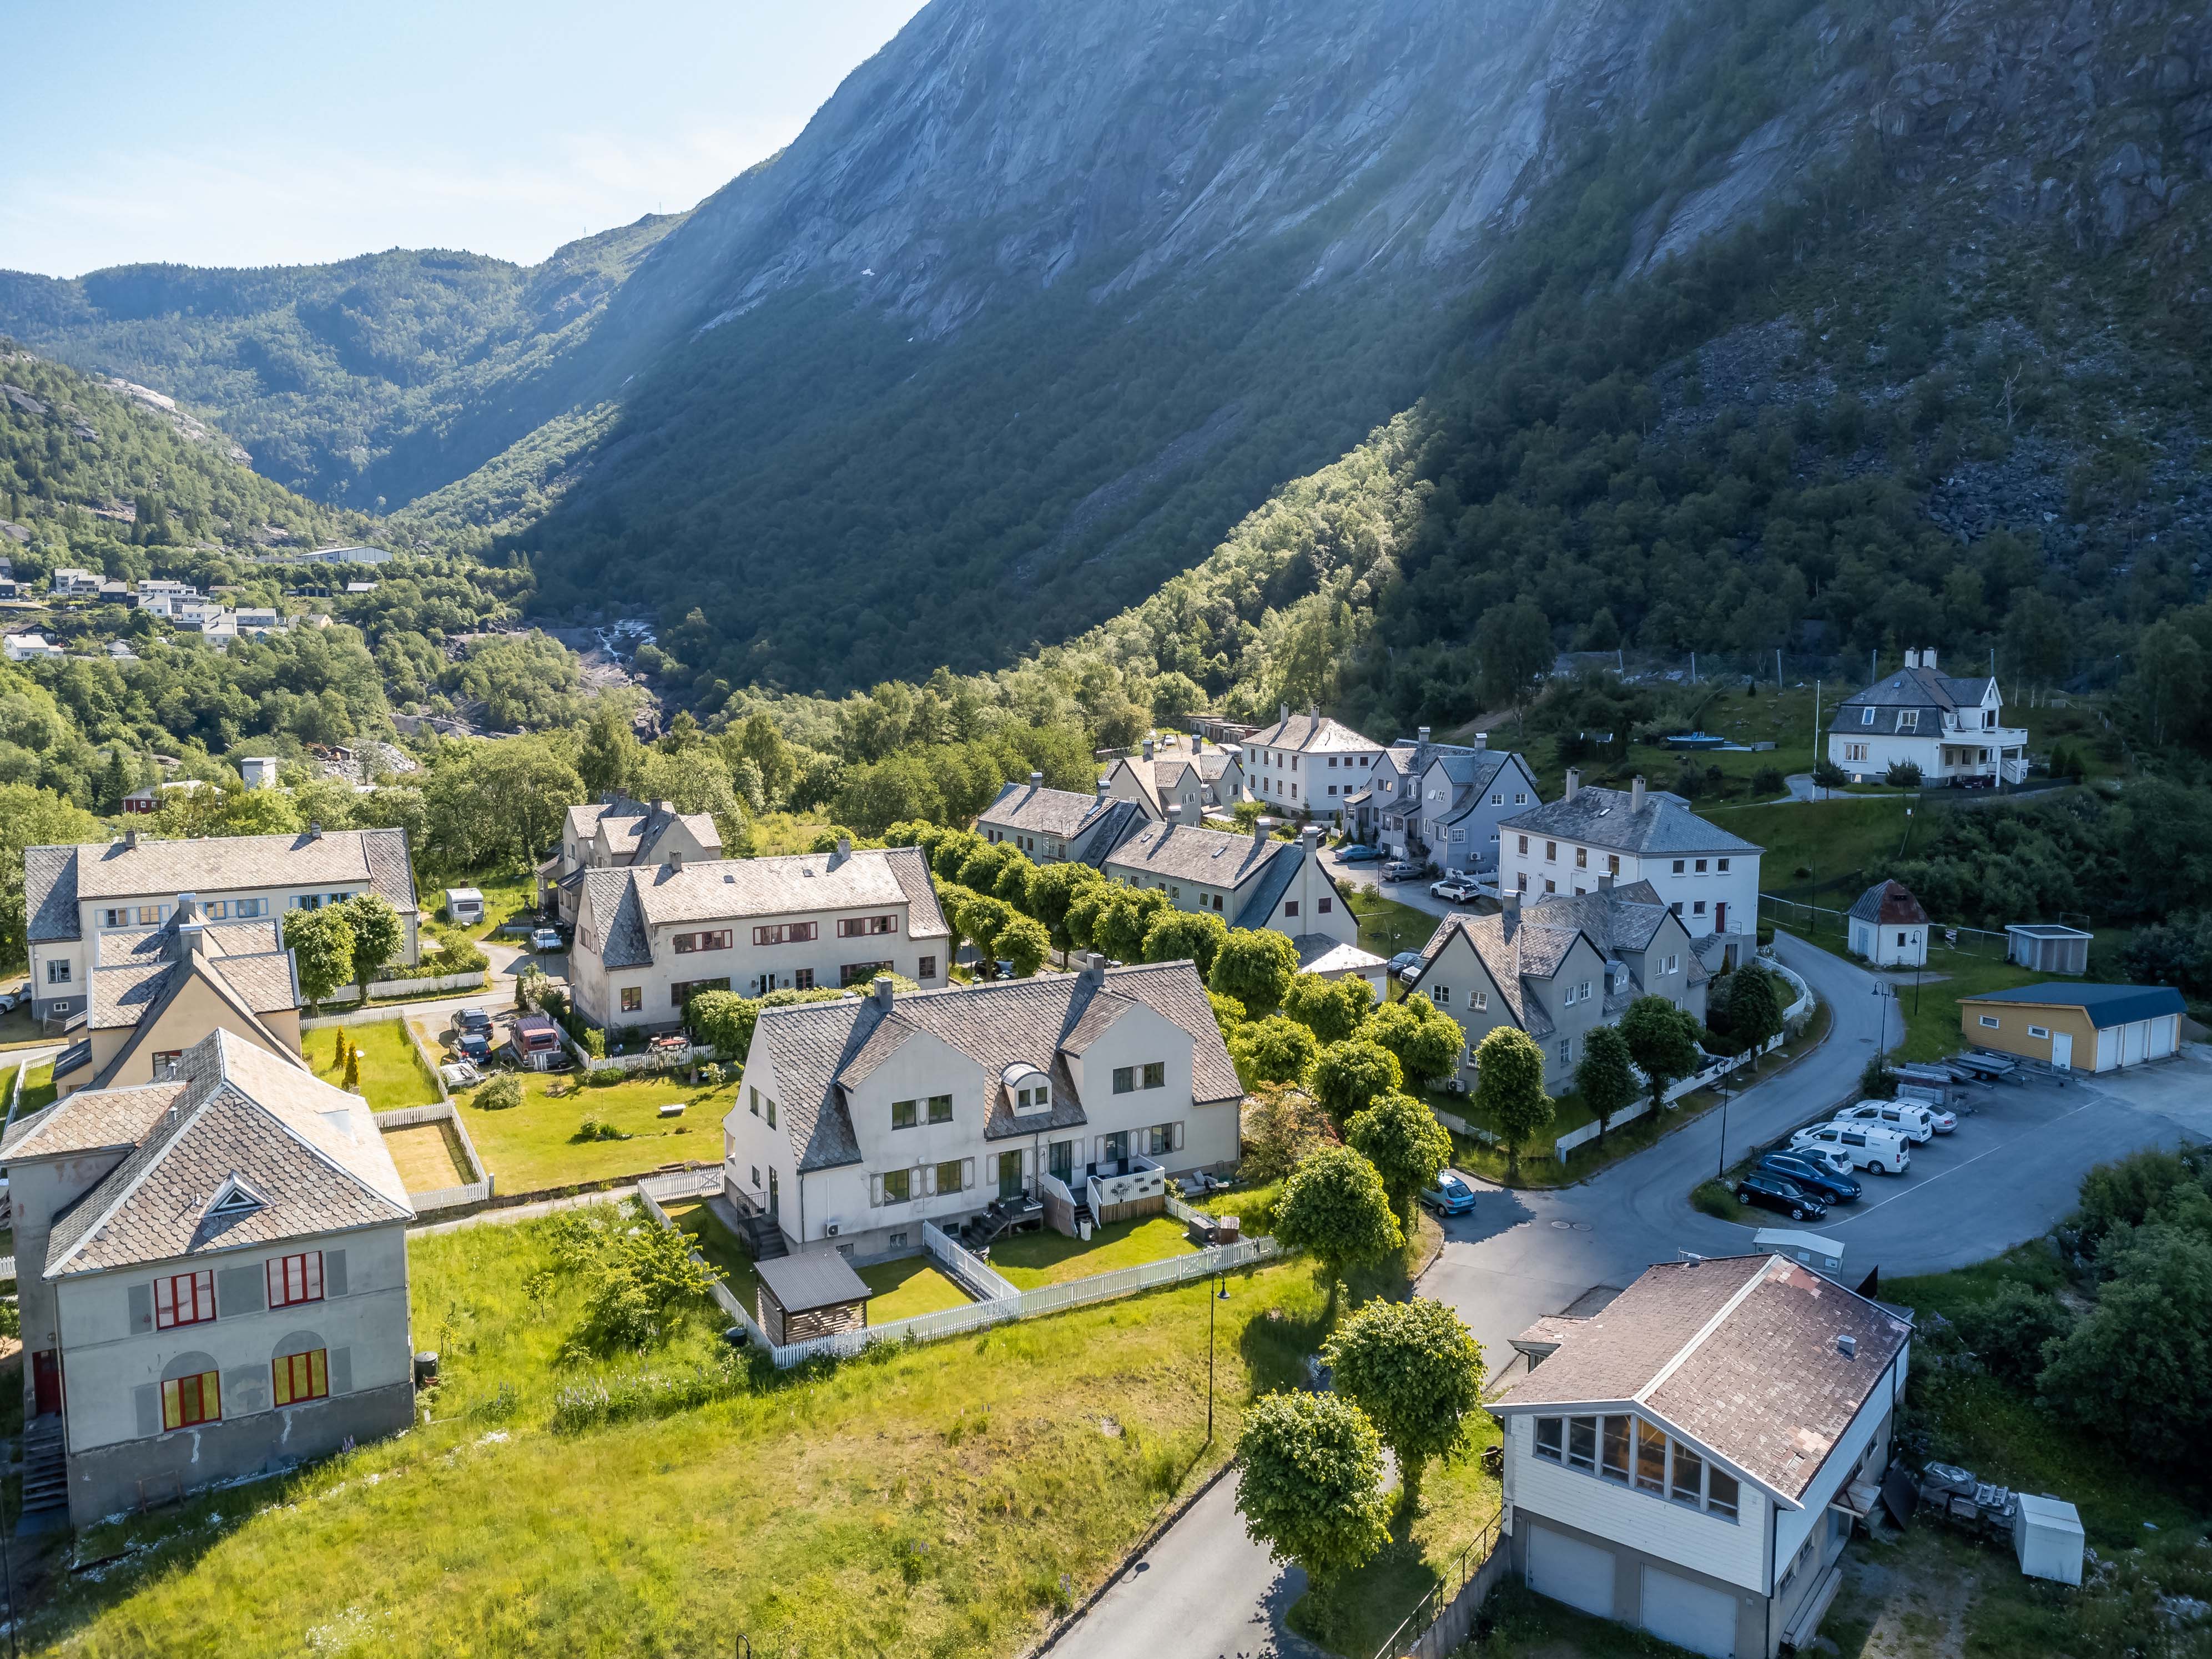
(1358, 854)
(1449, 1196)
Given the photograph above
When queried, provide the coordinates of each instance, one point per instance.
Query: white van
(1869, 1146)
(1918, 1123)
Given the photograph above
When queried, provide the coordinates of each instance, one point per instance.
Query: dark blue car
(1822, 1183)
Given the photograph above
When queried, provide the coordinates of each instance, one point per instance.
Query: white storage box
(2046, 1536)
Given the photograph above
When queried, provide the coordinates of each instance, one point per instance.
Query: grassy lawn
(778, 833)
(1044, 1257)
(724, 1251)
(424, 1155)
(1930, 1012)
(38, 1090)
(1253, 1207)
(951, 1499)
(535, 1146)
(1386, 926)
(504, 895)
(391, 1076)
(907, 1287)
(1847, 844)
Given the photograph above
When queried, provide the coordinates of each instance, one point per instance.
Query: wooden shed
(803, 1297)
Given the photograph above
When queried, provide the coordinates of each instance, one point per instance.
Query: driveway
(2009, 1171)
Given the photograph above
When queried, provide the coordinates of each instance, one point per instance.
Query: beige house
(74, 896)
(616, 834)
(862, 1118)
(1557, 969)
(1173, 771)
(214, 1274)
(154, 995)
(650, 936)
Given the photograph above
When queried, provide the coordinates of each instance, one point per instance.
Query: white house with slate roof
(214, 1274)
(1058, 826)
(74, 896)
(1707, 877)
(1308, 765)
(1172, 770)
(1690, 1458)
(648, 937)
(615, 833)
(1952, 729)
(1461, 797)
(863, 1117)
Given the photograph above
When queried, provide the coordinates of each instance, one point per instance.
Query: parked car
(1359, 853)
(11, 1001)
(1401, 870)
(1449, 1195)
(474, 1047)
(472, 1020)
(1458, 888)
(1405, 962)
(1918, 1123)
(1774, 1192)
(546, 938)
(1004, 967)
(1812, 1174)
(1869, 1146)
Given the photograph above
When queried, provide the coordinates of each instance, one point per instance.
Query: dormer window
(233, 1197)
(1908, 720)
(1029, 1091)
(1866, 715)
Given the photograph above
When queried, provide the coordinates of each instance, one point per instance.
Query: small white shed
(1888, 927)
(2046, 1536)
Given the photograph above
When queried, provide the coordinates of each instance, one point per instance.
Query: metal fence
(1813, 920)
(1446, 1615)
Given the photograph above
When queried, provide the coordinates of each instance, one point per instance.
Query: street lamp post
(1212, 1302)
(1722, 1174)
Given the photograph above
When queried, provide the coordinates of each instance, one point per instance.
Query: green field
(38, 1090)
(505, 895)
(907, 1287)
(1386, 926)
(534, 1147)
(391, 1073)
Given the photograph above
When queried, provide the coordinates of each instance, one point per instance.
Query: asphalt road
(2005, 1176)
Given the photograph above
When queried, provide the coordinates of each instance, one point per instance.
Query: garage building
(2090, 1028)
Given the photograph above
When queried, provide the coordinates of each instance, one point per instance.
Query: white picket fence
(963, 1266)
(668, 1060)
(474, 1191)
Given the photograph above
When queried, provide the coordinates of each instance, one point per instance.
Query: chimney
(1311, 836)
(1422, 736)
(844, 848)
(1094, 971)
(1313, 711)
(884, 991)
(1481, 740)
(1148, 749)
(1282, 712)
(131, 839)
(1261, 826)
(1636, 796)
(314, 832)
(1509, 909)
(1605, 883)
(1848, 1345)
(1174, 814)
(1928, 656)
(675, 862)
(1574, 783)
(191, 939)
(1037, 781)
(188, 908)
(1101, 785)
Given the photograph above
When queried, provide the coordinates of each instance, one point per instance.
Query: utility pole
(1777, 668)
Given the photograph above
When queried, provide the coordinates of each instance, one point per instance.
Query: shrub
(1877, 1081)
(2008, 1332)
(1829, 776)
(1902, 774)
(502, 1093)
(592, 1129)
(1768, 781)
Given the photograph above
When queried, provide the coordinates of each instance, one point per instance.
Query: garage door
(1567, 1569)
(1693, 1616)
(2162, 1035)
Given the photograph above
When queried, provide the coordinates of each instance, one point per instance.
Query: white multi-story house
(1308, 765)
(31, 648)
(649, 936)
(1171, 770)
(214, 1274)
(863, 1117)
(1707, 877)
(615, 833)
(1462, 796)
(74, 896)
(1252, 882)
(1058, 826)
(1690, 1458)
(70, 581)
(1952, 729)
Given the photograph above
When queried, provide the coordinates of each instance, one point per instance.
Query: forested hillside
(365, 383)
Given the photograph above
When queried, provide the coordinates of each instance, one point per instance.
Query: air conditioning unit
(831, 1230)
(1456, 1086)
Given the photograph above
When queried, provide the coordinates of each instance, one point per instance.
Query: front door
(2062, 1048)
(775, 1198)
(47, 1381)
(1010, 1175)
(1720, 916)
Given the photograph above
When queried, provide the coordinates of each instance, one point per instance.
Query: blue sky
(241, 133)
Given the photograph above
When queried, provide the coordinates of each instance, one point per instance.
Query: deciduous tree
(1336, 1206)
(321, 943)
(1177, 935)
(377, 934)
(1256, 966)
(1331, 1009)
(1426, 1041)
(1309, 1482)
(1350, 1077)
(1509, 1087)
(1416, 1372)
(1662, 1040)
(1604, 1078)
(1272, 1050)
(1402, 1138)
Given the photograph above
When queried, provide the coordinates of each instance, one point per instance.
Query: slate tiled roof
(313, 1152)
(1213, 858)
(1626, 918)
(620, 905)
(1889, 903)
(122, 995)
(1532, 950)
(1033, 809)
(1737, 1354)
(811, 1046)
(1603, 817)
(91, 1120)
(58, 879)
(1934, 693)
(1313, 733)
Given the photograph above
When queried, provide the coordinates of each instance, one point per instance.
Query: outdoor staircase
(45, 1466)
(764, 1238)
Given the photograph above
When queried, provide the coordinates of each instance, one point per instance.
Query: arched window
(300, 1370)
(192, 1392)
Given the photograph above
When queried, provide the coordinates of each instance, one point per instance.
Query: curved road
(2009, 1171)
